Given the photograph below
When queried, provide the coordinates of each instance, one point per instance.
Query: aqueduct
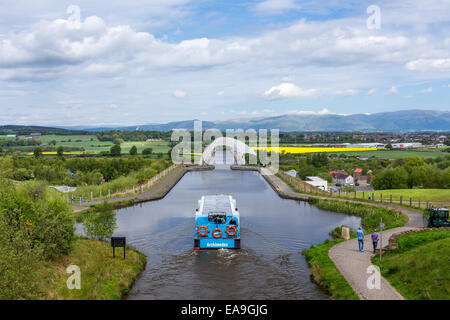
(238, 149)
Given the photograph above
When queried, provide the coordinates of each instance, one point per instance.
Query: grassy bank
(102, 276)
(370, 215)
(418, 269)
(436, 195)
(325, 273)
(323, 270)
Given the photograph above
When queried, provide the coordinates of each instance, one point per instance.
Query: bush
(100, 224)
(54, 227)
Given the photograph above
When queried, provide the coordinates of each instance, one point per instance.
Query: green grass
(370, 215)
(88, 142)
(419, 268)
(157, 146)
(394, 154)
(437, 195)
(325, 274)
(102, 276)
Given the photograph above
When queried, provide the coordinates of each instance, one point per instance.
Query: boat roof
(217, 203)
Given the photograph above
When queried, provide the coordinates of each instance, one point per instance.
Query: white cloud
(220, 93)
(346, 93)
(303, 112)
(392, 91)
(289, 90)
(425, 65)
(113, 106)
(179, 94)
(427, 90)
(372, 91)
(275, 6)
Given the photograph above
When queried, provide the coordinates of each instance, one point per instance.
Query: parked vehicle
(438, 218)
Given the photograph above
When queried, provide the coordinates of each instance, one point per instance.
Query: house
(343, 179)
(292, 173)
(317, 182)
(357, 173)
(35, 136)
(361, 180)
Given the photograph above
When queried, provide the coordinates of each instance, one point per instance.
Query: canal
(274, 231)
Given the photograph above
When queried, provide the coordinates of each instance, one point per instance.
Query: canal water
(274, 231)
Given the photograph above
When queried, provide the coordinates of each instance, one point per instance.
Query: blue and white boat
(217, 223)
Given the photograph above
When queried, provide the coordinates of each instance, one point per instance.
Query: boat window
(217, 217)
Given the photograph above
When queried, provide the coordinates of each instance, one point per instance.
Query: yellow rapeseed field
(67, 153)
(312, 149)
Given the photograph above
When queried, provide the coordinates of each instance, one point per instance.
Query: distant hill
(397, 121)
(25, 130)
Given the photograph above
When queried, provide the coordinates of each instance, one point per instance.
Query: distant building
(407, 145)
(292, 173)
(344, 179)
(361, 180)
(317, 182)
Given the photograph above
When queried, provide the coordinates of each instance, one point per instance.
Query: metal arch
(238, 148)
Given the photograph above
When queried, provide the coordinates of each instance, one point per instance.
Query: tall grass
(370, 215)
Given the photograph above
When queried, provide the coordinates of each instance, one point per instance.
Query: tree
(133, 151)
(60, 151)
(115, 150)
(388, 146)
(147, 151)
(37, 152)
(100, 224)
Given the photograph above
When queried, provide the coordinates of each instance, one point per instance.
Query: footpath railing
(80, 199)
(387, 198)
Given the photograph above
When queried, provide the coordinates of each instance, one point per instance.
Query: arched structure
(238, 148)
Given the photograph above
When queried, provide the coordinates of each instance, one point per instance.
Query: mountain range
(397, 121)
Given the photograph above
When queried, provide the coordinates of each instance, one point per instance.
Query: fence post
(81, 199)
(100, 194)
(401, 200)
(92, 196)
(427, 204)
(391, 198)
(419, 203)
(109, 193)
(410, 202)
(381, 197)
(355, 194)
(339, 193)
(363, 195)
(133, 189)
(373, 197)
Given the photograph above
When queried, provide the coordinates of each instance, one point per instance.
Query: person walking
(375, 237)
(360, 239)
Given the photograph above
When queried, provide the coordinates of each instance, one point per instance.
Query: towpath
(347, 258)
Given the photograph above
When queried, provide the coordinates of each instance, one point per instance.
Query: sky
(131, 62)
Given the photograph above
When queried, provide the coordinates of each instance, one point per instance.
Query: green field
(435, 195)
(92, 144)
(394, 154)
(88, 142)
(157, 146)
(418, 269)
